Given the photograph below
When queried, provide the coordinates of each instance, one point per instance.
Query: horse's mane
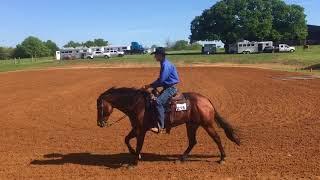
(124, 90)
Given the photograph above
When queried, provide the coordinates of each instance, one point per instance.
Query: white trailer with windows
(264, 44)
(117, 48)
(70, 53)
(73, 53)
(247, 47)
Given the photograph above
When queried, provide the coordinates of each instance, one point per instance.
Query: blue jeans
(162, 101)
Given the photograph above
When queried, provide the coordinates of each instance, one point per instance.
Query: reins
(123, 117)
(115, 122)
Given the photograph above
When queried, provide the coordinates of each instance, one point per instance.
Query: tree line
(33, 47)
(253, 20)
(96, 42)
(182, 45)
(179, 45)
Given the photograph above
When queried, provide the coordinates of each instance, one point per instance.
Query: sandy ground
(48, 126)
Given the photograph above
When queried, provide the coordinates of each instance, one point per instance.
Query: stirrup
(155, 130)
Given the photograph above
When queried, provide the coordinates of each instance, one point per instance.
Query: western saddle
(177, 104)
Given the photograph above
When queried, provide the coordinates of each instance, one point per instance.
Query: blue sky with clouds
(119, 22)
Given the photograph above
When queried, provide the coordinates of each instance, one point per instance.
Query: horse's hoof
(222, 162)
(178, 161)
(183, 159)
(131, 166)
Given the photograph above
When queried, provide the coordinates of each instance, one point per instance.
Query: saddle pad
(181, 107)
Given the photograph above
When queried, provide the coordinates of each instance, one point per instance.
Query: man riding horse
(168, 80)
(198, 111)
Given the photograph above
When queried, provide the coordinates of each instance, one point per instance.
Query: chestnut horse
(135, 103)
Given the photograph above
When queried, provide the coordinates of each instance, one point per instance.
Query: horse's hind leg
(191, 132)
(214, 135)
(131, 135)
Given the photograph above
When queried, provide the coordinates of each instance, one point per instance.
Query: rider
(168, 79)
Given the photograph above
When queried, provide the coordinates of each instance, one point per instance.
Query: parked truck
(98, 52)
(95, 54)
(280, 48)
(136, 48)
(284, 48)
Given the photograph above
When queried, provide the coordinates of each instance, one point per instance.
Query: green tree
(100, 42)
(19, 52)
(6, 53)
(288, 21)
(89, 44)
(195, 46)
(52, 47)
(180, 45)
(34, 47)
(72, 44)
(255, 20)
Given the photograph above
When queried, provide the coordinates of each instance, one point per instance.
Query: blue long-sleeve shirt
(168, 75)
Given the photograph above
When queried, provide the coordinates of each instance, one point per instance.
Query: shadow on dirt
(113, 161)
(314, 67)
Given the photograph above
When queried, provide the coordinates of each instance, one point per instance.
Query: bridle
(105, 123)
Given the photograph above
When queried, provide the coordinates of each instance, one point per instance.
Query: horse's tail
(227, 128)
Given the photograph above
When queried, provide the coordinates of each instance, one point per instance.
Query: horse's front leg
(191, 132)
(131, 135)
(140, 139)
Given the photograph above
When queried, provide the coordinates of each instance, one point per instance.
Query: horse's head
(124, 99)
(104, 110)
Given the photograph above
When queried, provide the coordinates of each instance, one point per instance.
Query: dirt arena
(48, 126)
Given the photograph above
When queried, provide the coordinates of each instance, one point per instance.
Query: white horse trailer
(117, 48)
(209, 49)
(75, 53)
(247, 47)
(70, 53)
(264, 44)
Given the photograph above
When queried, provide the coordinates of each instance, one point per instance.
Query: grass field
(301, 58)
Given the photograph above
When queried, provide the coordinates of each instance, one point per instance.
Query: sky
(119, 22)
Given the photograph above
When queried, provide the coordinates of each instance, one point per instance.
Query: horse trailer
(247, 47)
(85, 52)
(209, 49)
(73, 53)
(117, 48)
